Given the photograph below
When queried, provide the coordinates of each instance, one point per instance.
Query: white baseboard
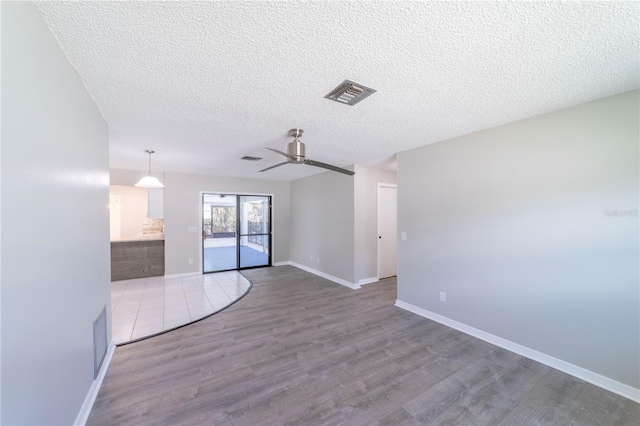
(566, 367)
(87, 405)
(186, 274)
(327, 276)
(285, 263)
(368, 280)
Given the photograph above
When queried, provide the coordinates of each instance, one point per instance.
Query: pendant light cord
(149, 151)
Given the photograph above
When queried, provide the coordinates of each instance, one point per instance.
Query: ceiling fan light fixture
(349, 93)
(149, 181)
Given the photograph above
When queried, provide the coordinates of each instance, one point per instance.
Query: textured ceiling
(205, 83)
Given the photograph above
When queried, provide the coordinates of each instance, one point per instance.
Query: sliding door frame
(236, 193)
(239, 215)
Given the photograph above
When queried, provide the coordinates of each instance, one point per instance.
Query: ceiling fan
(296, 155)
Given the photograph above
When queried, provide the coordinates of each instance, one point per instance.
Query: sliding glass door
(255, 231)
(219, 236)
(236, 231)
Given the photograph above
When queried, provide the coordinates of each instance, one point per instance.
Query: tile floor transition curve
(146, 307)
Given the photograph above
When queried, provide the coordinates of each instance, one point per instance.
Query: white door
(387, 230)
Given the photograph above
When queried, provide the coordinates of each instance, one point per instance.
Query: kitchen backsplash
(153, 226)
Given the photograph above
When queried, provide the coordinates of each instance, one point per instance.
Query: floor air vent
(99, 341)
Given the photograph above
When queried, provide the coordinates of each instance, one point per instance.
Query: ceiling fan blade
(329, 167)
(273, 167)
(281, 153)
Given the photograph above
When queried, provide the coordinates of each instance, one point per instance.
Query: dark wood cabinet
(137, 259)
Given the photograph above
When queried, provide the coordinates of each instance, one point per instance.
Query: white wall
(133, 209)
(131, 177)
(55, 223)
(366, 219)
(511, 223)
(183, 202)
(322, 224)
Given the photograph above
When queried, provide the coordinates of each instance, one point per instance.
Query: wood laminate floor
(299, 349)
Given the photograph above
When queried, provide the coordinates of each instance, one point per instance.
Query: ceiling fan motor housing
(296, 155)
(296, 149)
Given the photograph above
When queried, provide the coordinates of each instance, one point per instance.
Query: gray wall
(354, 258)
(366, 219)
(182, 204)
(510, 222)
(124, 177)
(322, 223)
(55, 225)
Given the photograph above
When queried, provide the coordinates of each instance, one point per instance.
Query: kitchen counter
(139, 237)
(137, 258)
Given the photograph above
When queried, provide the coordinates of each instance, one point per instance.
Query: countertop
(137, 238)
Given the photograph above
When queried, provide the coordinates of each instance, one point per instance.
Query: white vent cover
(349, 93)
(99, 341)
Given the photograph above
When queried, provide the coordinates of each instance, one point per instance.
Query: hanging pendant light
(149, 181)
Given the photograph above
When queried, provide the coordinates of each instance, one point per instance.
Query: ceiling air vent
(349, 93)
(246, 157)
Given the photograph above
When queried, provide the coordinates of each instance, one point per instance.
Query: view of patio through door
(236, 231)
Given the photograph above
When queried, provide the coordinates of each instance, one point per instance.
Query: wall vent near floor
(99, 341)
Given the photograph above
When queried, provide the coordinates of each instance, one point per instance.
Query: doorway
(236, 232)
(387, 229)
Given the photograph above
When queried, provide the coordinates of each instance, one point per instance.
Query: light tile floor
(146, 306)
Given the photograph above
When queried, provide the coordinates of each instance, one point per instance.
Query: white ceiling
(205, 83)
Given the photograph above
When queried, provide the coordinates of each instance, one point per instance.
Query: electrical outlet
(191, 261)
(403, 236)
(443, 296)
(318, 260)
(311, 258)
